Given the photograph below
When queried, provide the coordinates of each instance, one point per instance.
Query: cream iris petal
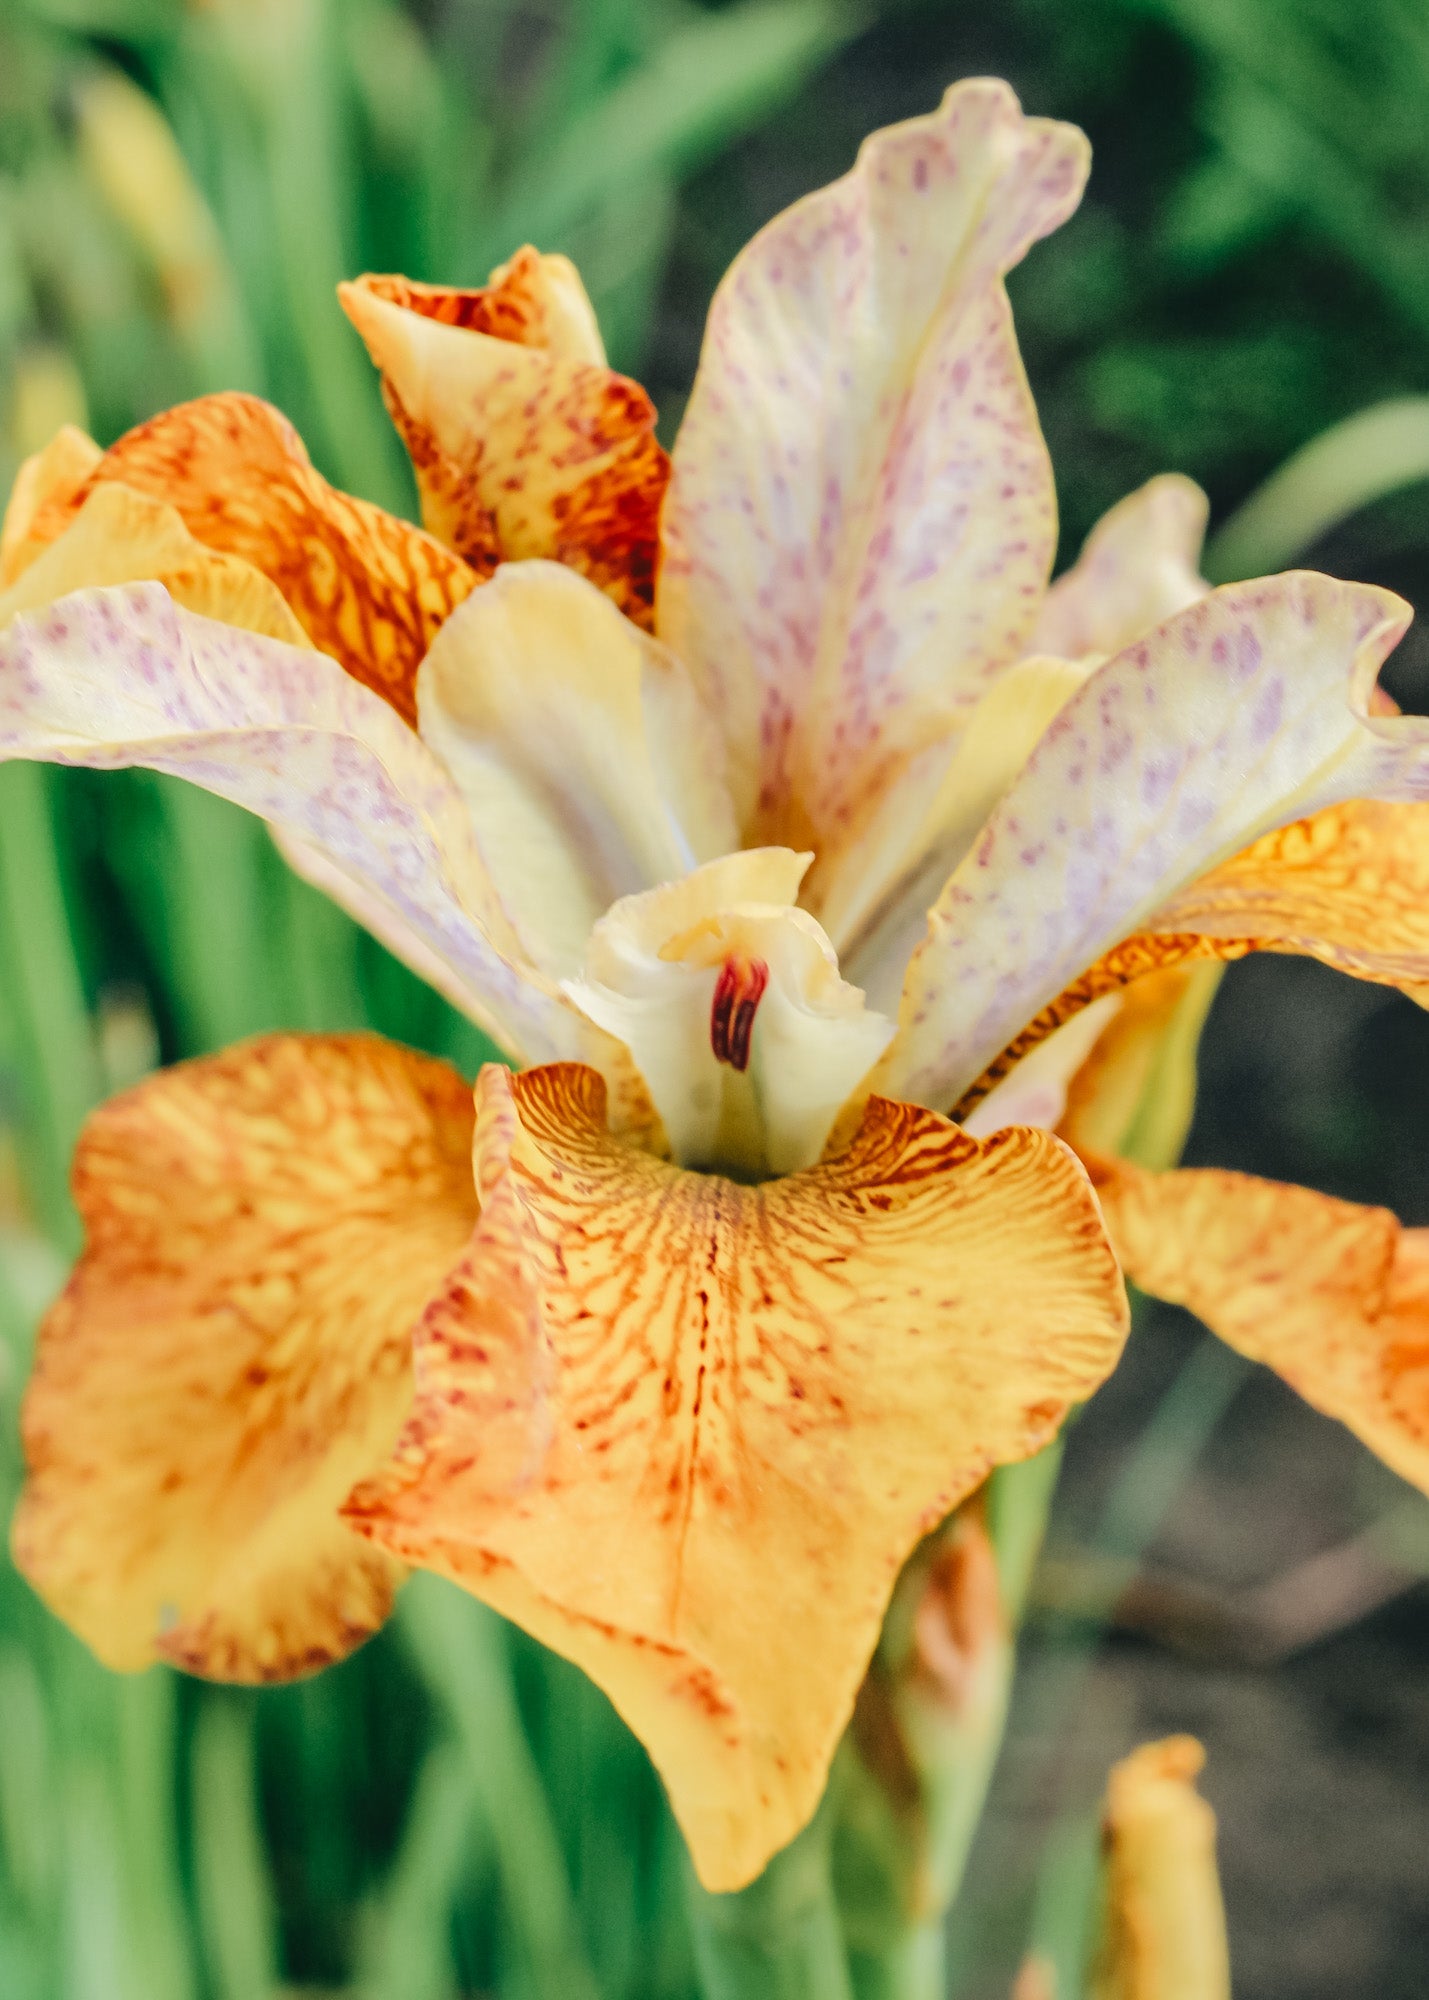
(861, 515)
(109, 678)
(587, 764)
(732, 1007)
(879, 896)
(1234, 717)
(1138, 567)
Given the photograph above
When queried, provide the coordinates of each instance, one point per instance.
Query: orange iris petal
(687, 1431)
(263, 1228)
(523, 443)
(1332, 1296)
(367, 588)
(1163, 1923)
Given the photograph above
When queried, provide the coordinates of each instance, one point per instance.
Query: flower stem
(779, 1939)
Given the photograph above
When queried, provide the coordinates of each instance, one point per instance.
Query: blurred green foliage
(454, 1811)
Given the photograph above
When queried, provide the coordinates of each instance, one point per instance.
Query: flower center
(729, 999)
(738, 992)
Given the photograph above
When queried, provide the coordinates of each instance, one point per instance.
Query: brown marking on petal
(738, 992)
(515, 305)
(686, 1431)
(544, 452)
(368, 588)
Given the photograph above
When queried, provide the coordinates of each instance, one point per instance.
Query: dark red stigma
(738, 992)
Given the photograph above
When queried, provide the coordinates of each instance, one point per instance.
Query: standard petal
(524, 443)
(1236, 717)
(51, 478)
(263, 1229)
(108, 678)
(589, 769)
(861, 516)
(1333, 1297)
(1139, 566)
(686, 1431)
(366, 587)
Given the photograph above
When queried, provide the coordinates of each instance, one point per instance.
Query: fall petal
(263, 1229)
(861, 515)
(1138, 567)
(588, 767)
(109, 678)
(366, 587)
(1348, 886)
(1332, 1296)
(524, 443)
(686, 1431)
(1235, 717)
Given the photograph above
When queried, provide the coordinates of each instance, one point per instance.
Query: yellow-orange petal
(369, 589)
(1164, 1928)
(51, 478)
(523, 442)
(1135, 1091)
(120, 536)
(1349, 886)
(533, 300)
(263, 1228)
(686, 1431)
(1334, 1297)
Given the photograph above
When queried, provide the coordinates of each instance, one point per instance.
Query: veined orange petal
(861, 516)
(1164, 1928)
(367, 588)
(263, 1228)
(533, 300)
(686, 1431)
(1245, 712)
(120, 536)
(1349, 886)
(524, 443)
(1332, 1296)
(1138, 567)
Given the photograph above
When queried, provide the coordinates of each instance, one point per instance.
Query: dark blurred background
(180, 187)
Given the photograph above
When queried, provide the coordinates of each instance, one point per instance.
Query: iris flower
(800, 847)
